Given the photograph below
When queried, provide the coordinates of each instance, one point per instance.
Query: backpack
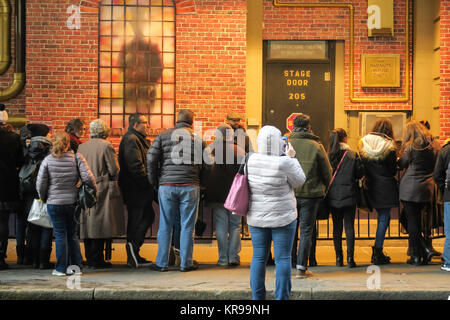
(28, 177)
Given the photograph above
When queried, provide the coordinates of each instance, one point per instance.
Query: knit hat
(3, 114)
(38, 129)
(99, 129)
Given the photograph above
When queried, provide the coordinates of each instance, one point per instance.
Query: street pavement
(396, 281)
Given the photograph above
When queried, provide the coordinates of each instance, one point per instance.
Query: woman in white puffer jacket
(272, 211)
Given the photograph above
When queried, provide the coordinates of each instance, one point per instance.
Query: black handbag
(362, 199)
(87, 196)
(324, 209)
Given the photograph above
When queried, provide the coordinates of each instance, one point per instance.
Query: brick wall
(291, 23)
(14, 106)
(211, 60)
(211, 56)
(62, 64)
(445, 69)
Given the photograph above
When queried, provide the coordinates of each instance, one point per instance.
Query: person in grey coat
(57, 186)
(418, 157)
(106, 219)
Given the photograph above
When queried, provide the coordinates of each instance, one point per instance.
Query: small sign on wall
(380, 70)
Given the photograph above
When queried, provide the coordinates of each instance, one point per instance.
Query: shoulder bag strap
(77, 164)
(335, 172)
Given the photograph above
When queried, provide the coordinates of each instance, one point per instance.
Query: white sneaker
(445, 267)
(57, 273)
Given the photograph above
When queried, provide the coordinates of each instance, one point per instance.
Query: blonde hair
(61, 144)
(416, 137)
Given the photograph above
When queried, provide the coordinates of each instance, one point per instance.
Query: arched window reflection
(137, 61)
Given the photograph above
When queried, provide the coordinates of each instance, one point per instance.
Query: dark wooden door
(300, 87)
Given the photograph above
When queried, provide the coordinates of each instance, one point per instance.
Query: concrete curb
(214, 294)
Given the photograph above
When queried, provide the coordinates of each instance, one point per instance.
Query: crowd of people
(288, 180)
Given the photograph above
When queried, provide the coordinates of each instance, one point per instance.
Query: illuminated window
(137, 61)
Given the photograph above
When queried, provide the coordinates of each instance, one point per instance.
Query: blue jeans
(282, 245)
(228, 233)
(446, 253)
(66, 241)
(176, 201)
(384, 218)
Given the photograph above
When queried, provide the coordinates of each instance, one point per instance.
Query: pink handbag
(238, 196)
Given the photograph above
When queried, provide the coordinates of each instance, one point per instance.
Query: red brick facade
(62, 64)
(293, 23)
(445, 69)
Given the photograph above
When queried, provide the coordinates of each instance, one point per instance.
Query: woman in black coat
(342, 193)
(418, 157)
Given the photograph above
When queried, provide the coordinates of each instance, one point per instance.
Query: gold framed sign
(380, 70)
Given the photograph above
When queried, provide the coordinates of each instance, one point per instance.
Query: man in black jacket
(11, 158)
(175, 164)
(136, 190)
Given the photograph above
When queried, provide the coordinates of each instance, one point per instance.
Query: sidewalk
(395, 281)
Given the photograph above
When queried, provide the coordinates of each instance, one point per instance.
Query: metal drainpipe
(19, 75)
(5, 27)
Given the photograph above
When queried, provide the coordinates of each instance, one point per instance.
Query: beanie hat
(99, 129)
(38, 129)
(3, 114)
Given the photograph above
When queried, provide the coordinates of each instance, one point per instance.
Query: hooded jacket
(272, 178)
(314, 161)
(379, 158)
(39, 148)
(417, 184)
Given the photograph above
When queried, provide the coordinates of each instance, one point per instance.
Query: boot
(378, 258)
(350, 254)
(425, 252)
(429, 244)
(339, 258)
(415, 257)
(44, 258)
(3, 264)
(351, 262)
(20, 249)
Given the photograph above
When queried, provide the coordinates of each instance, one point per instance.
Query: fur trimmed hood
(374, 146)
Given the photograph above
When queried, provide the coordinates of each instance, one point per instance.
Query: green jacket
(315, 164)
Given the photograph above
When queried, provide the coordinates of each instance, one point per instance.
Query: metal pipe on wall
(5, 42)
(19, 75)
